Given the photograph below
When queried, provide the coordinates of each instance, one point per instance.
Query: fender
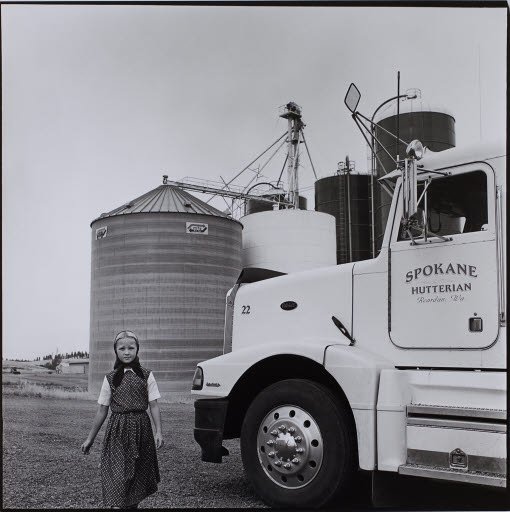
(357, 371)
(222, 372)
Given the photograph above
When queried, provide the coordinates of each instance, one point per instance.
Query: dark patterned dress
(129, 464)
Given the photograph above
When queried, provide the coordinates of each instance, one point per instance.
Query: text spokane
(440, 268)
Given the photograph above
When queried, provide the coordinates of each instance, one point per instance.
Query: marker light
(198, 379)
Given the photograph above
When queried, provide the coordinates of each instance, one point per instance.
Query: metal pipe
(398, 112)
(372, 205)
(366, 139)
(281, 173)
(258, 173)
(382, 128)
(271, 157)
(295, 170)
(385, 150)
(226, 193)
(349, 211)
(374, 162)
(425, 215)
(308, 152)
(290, 161)
(252, 162)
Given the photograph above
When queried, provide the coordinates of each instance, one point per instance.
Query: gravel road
(43, 466)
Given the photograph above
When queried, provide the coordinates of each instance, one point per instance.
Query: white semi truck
(394, 364)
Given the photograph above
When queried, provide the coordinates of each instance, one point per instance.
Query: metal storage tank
(288, 240)
(254, 206)
(161, 267)
(352, 227)
(434, 126)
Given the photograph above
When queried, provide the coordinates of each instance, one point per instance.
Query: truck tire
(298, 445)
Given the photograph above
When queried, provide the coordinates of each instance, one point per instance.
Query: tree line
(53, 361)
(73, 355)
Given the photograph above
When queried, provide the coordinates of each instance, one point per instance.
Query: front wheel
(298, 444)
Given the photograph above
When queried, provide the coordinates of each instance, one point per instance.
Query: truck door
(444, 294)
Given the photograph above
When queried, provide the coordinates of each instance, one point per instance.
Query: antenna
(348, 178)
(398, 111)
(479, 93)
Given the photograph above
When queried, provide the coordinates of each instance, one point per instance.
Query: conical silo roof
(164, 199)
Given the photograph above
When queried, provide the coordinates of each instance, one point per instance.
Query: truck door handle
(475, 324)
(343, 330)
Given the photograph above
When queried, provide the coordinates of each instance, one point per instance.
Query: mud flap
(209, 424)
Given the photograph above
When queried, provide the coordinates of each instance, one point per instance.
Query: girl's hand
(86, 446)
(159, 440)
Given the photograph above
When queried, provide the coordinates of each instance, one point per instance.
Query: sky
(98, 102)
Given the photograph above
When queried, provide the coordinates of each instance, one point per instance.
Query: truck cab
(394, 364)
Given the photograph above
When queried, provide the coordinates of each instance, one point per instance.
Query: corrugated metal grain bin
(161, 267)
(332, 196)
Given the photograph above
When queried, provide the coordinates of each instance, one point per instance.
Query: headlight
(198, 379)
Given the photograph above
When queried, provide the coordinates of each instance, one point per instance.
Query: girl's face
(126, 349)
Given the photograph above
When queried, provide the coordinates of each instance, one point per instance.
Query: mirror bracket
(409, 185)
(425, 242)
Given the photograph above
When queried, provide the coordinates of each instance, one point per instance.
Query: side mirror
(352, 98)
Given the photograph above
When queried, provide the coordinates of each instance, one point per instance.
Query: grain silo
(434, 126)
(288, 240)
(346, 196)
(161, 266)
(255, 206)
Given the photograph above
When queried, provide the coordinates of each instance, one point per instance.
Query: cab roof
(456, 156)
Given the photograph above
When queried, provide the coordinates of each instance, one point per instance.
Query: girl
(129, 464)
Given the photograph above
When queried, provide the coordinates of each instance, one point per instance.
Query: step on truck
(395, 364)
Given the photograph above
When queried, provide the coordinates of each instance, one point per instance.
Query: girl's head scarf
(120, 366)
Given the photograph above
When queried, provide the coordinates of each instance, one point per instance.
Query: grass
(16, 386)
(24, 388)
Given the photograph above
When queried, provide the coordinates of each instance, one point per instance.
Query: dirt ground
(43, 466)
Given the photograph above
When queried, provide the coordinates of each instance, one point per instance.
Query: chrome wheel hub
(289, 446)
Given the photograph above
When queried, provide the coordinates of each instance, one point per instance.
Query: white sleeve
(105, 394)
(153, 388)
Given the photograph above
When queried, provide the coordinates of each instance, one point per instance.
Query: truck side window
(455, 205)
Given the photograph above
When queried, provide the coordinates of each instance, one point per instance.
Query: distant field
(68, 381)
(34, 372)
(33, 378)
